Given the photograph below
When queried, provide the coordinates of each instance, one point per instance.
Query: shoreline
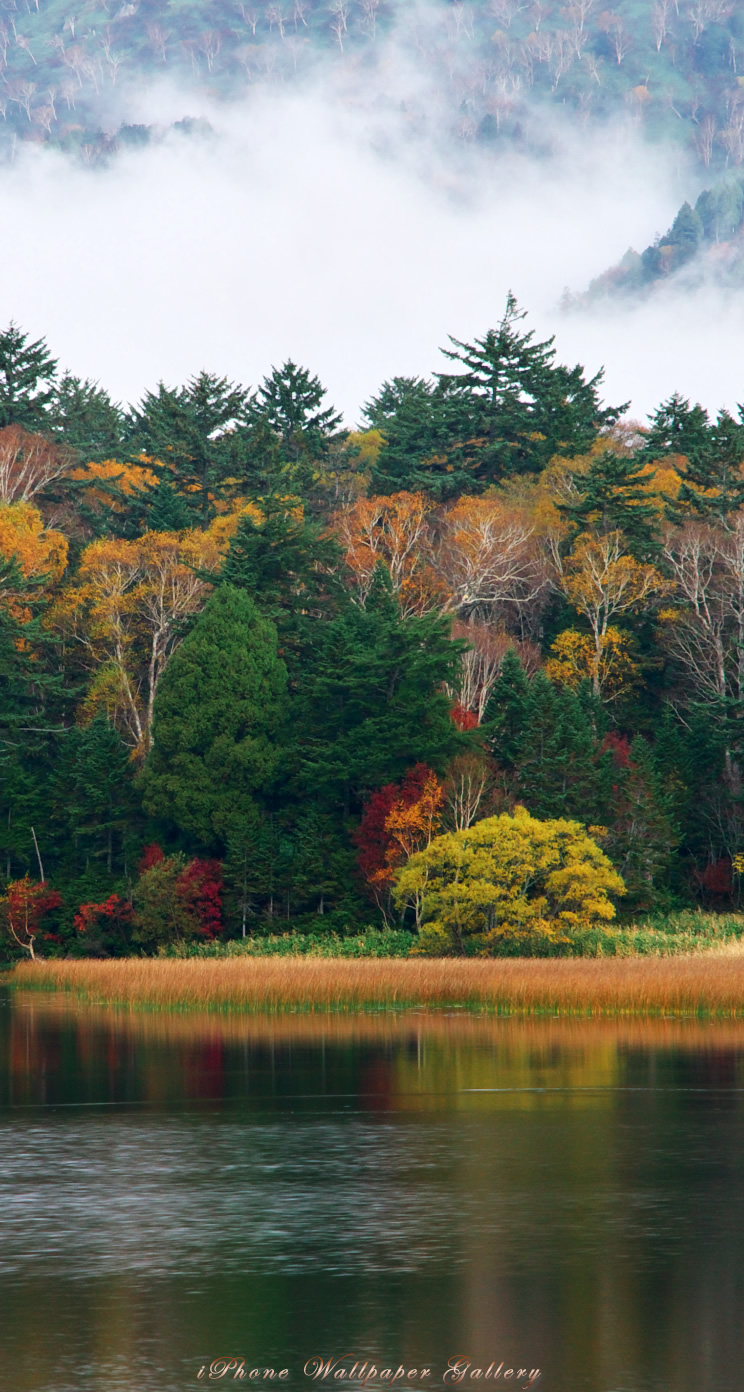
(699, 985)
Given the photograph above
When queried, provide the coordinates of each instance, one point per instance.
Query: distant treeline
(703, 245)
(250, 661)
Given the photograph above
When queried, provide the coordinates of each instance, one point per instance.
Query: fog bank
(291, 232)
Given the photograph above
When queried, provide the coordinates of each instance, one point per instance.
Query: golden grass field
(703, 984)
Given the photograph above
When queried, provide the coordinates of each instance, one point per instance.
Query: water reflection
(174, 1187)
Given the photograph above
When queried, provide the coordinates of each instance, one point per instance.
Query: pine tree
(27, 371)
(219, 715)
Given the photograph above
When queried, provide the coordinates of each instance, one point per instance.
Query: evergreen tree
(686, 233)
(614, 497)
(369, 700)
(84, 418)
(190, 436)
(713, 483)
(562, 770)
(514, 408)
(290, 400)
(92, 796)
(676, 428)
(31, 692)
(415, 419)
(642, 833)
(288, 564)
(165, 509)
(27, 372)
(219, 714)
(506, 715)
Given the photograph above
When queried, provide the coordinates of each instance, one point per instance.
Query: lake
(402, 1191)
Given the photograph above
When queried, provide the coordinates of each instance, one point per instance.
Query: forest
(469, 71)
(260, 672)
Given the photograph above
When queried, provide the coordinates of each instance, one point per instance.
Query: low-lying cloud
(302, 229)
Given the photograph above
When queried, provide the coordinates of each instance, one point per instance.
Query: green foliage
(220, 709)
(508, 881)
(370, 703)
(27, 372)
(508, 409)
(372, 942)
(85, 419)
(290, 402)
(614, 497)
(189, 434)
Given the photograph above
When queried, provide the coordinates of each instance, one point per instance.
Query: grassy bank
(701, 984)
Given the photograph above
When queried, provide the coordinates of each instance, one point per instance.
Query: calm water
(175, 1190)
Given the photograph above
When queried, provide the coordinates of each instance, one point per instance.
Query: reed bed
(703, 984)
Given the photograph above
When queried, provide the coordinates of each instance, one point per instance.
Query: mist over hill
(225, 185)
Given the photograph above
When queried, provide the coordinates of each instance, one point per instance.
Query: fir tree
(290, 400)
(513, 407)
(614, 497)
(676, 428)
(27, 371)
(370, 702)
(288, 564)
(712, 486)
(84, 418)
(190, 436)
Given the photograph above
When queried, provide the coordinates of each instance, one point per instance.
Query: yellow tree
(508, 881)
(393, 532)
(574, 660)
(602, 583)
(39, 552)
(490, 558)
(126, 612)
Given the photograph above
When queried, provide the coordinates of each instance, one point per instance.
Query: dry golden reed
(712, 983)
